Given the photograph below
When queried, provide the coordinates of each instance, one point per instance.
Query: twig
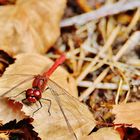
(109, 86)
(109, 9)
(134, 21)
(87, 92)
(118, 91)
(105, 48)
(129, 45)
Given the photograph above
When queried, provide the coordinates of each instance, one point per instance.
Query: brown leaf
(128, 133)
(128, 114)
(30, 26)
(20, 130)
(53, 126)
(10, 110)
(103, 134)
(5, 60)
(4, 136)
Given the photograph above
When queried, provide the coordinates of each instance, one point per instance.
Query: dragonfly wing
(13, 84)
(63, 113)
(78, 115)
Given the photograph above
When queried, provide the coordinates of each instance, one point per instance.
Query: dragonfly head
(33, 95)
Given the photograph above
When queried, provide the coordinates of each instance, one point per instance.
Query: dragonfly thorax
(39, 82)
(33, 95)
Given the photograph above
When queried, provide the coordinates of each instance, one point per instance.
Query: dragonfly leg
(50, 103)
(42, 105)
(38, 108)
(19, 94)
(47, 88)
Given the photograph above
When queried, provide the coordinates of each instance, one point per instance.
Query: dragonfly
(40, 84)
(3, 2)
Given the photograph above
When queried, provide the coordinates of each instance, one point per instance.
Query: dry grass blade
(106, 10)
(109, 39)
(110, 86)
(88, 91)
(104, 49)
(129, 45)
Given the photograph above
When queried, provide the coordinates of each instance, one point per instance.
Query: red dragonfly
(41, 83)
(4, 2)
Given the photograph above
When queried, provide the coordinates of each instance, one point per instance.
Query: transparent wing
(63, 113)
(11, 84)
(78, 120)
(78, 115)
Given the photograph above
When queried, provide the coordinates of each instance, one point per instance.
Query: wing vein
(62, 111)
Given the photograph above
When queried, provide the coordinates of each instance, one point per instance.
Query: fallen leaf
(128, 133)
(20, 130)
(52, 126)
(103, 134)
(4, 136)
(5, 60)
(30, 26)
(10, 110)
(127, 114)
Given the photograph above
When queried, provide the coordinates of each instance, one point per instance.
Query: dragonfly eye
(37, 94)
(31, 99)
(29, 93)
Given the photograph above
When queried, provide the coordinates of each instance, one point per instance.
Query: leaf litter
(103, 49)
(103, 57)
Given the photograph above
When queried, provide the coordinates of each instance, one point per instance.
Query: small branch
(95, 60)
(109, 86)
(88, 91)
(109, 9)
(133, 40)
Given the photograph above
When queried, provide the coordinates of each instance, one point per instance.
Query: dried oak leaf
(49, 126)
(20, 130)
(127, 114)
(128, 133)
(103, 134)
(10, 110)
(5, 60)
(31, 25)
(4, 136)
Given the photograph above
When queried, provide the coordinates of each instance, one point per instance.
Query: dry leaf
(53, 127)
(128, 114)
(5, 60)
(10, 110)
(3, 136)
(30, 26)
(22, 130)
(104, 134)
